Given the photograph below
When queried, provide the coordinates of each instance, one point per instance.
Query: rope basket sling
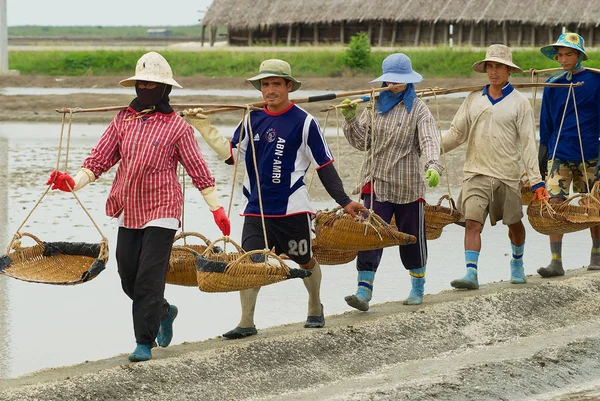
(438, 216)
(240, 270)
(338, 230)
(182, 263)
(61, 263)
(564, 217)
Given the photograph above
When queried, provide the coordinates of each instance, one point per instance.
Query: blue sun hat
(568, 39)
(398, 68)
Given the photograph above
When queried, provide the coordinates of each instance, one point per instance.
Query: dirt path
(498, 343)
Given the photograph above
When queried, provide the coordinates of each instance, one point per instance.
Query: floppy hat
(498, 54)
(568, 39)
(398, 68)
(274, 68)
(154, 68)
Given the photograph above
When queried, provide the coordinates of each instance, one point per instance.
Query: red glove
(60, 181)
(222, 221)
(541, 193)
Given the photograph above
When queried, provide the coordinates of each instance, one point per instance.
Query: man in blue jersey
(572, 149)
(284, 140)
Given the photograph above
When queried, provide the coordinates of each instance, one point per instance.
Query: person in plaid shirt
(392, 175)
(148, 140)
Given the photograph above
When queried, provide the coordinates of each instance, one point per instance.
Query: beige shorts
(482, 196)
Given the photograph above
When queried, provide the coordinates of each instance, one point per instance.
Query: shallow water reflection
(68, 325)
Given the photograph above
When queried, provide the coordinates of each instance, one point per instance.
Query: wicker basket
(326, 256)
(564, 217)
(182, 263)
(240, 270)
(438, 216)
(338, 230)
(60, 263)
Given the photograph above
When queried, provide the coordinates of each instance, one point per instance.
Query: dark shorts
(290, 235)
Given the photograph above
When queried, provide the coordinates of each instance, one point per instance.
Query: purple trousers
(410, 219)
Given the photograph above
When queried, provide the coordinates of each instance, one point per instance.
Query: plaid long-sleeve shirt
(146, 186)
(392, 158)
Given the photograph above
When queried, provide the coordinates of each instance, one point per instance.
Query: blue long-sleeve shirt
(588, 111)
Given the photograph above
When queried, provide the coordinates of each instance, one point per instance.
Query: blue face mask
(388, 100)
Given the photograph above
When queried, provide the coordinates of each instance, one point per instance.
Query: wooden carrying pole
(229, 107)
(534, 71)
(428, 92)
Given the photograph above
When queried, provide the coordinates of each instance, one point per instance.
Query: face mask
(150, 97)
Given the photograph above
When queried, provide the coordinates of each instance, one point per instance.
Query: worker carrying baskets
(393, 135)
(568, 154)
(498, 126)
(148, 140)
(276, 145)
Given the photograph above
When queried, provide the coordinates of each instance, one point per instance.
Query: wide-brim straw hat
(397, 68)
(151, 67)
(568, 39)
(275, 68)
(499, 54)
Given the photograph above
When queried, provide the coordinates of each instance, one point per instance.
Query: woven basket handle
(191, 234)
(268, 254)
(209, 249)
(16, 241)
(450, 201)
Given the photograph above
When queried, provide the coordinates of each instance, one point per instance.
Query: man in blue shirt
(572, 144)
(276, 146)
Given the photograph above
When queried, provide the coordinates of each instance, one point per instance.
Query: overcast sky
(105, 12)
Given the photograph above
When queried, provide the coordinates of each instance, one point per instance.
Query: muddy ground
(501, 342)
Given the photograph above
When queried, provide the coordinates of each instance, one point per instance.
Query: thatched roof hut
(407, 22)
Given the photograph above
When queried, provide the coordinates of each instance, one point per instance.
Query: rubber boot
(469, 281)
(141, 353)
(417, 280)
(165, 330)
(364, 291)
(245, 327)
(517, 274)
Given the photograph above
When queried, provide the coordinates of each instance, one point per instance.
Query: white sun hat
(152, 67)
(498, 54)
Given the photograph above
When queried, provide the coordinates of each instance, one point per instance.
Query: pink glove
(222, 221)
(60, 181)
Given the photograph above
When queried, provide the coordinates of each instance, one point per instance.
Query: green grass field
(439, 62)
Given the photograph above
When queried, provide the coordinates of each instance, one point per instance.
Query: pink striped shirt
(146, 186)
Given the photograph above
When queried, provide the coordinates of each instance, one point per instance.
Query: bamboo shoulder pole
(428, 92)
(174, 106)
(534, 71)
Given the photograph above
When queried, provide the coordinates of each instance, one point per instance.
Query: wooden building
(403, 22)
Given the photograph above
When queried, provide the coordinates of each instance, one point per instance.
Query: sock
(556, 249)
(471, 259)
(365, 284)
(595, 257)
(517, 255)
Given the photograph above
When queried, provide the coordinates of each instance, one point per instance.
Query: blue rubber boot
(517, 274)
(364, 292)
(165, 331)
(141, 353)
(417, 279)
(468, 282)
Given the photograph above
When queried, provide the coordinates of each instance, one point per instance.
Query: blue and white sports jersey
(286, 144)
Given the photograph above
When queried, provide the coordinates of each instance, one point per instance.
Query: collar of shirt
(506, 90)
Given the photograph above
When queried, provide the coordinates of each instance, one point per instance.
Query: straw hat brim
(255, 81)
(480, 65)
(411, 78)
(150, 78)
